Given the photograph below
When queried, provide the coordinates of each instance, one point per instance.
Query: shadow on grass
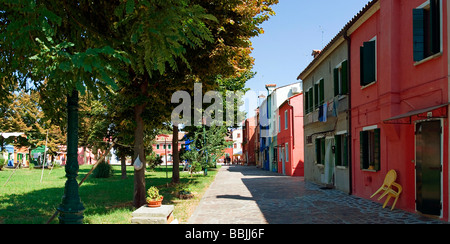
(100, 197)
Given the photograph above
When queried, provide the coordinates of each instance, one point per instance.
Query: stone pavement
(248, 195)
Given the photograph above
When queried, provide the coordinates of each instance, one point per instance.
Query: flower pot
(155, 203)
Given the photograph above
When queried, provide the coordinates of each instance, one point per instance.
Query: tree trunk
(139, 174)
(123, 166)
(176, 157)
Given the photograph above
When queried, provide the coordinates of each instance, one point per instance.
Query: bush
(2, 162)
(103, 170)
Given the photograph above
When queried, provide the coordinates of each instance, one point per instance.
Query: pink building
(163, 145)
(290, 143)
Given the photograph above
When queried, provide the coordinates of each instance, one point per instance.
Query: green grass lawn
(27, 201)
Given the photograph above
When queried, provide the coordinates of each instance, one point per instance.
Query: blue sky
(300, 26)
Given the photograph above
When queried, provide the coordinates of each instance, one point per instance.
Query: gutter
(349, 113)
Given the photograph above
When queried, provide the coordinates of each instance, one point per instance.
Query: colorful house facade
(326, 124)
(163, 145)
(249, 141)
(399, 67)
(290, 144)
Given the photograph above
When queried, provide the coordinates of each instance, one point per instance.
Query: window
(170, 146)
(286, 149)
(341, 79)
(427, 30)
(235, 145)
(319, 93)
(285, 119)
(370, 149)
(341, 150)
(238, 135)
(368, 63)
(157, 146)
(320, 150)
(309, 100)
(279, 123)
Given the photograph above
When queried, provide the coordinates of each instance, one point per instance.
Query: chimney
(271, 87)
(316, 53)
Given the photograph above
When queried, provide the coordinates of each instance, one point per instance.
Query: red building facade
(249, 141)
(399, 102)
(290, 143)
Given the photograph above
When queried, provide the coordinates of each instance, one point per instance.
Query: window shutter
(364, 152)
(368, 62)
(376, 149)
(418, 34)
(306, 102)
(344, 77)
(435, 26)
(337, 150)
(336, 82)
(345, 158)
(322, 152)
(318, 160)
(311, 97)
(316, 95)
(322, 91)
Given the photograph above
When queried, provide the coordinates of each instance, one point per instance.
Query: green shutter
(336, 82)
(337, 150)
(317, 144)
(344, 77)
(435, 26)
(364, 152)
(311, 102)
(376, 149)
(418, 34)
(316, 95)
(345, 158)
(368, 62)
(322, 91)
(306, 102)
(322, 151)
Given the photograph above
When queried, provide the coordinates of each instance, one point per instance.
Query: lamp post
(71, 208)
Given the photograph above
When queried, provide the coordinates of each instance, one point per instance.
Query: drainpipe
(349, 111)
(292, 123)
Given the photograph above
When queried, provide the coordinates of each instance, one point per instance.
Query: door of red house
(428, 167)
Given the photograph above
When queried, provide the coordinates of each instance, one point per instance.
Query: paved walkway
(248, 195)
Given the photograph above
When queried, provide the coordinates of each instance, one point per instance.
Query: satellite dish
(138, 164)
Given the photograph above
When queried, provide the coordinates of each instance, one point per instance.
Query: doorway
(429, 167)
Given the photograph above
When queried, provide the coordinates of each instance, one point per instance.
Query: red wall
(293, 136)
(401, 87)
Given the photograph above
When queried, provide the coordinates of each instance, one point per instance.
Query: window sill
(368, 85)
(369, 170)
(341, 167)
(428, 59)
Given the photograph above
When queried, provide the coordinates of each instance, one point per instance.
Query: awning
(439, 111)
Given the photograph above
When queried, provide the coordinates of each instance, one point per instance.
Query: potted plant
(154, 200)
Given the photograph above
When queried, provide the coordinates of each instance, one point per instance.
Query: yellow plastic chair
(390, 178)
(392, 193)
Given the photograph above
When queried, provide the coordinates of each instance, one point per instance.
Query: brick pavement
(248, 195)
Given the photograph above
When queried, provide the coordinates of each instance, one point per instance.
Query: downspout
(349, 112)
(292, 123)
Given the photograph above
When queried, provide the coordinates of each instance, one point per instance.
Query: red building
(290, 143)
(249, 141)
(399, 102)
(163, 145)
